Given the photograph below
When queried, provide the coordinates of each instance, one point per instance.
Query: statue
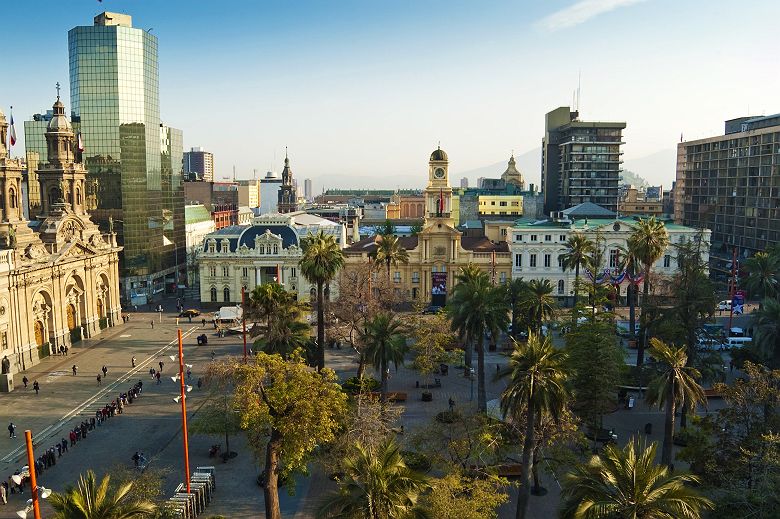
(110, 224)
(12, 237)
(6, 365)
(62, 192)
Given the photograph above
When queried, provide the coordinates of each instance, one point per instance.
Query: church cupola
(59, 136)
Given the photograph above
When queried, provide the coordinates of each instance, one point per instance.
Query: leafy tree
(538, 303)
(321, 261)
(477, 308)
(627, 483)
(287, 411)
(377, 485)
(459, 496)
(385, 342)
(675, 387)
(216, 417)
(93, 500)
(648, 241)
(415, 229)
(287, 331)
(596, 362)
(763, 278)
(578, 250)
(537, 386)
(390, 252)
(767, 323)
(384, 229)
(432, 341)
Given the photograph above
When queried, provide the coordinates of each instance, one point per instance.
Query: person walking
(132, 361)
(99, 379)
(25, 380)
(75, 369)
(136, 458)
(203, 322)
(104, 369)
(161, 365)
(36, 387)
(157, 376)
(152, 323)
(11, 430)
(66, 350)
(189, 374)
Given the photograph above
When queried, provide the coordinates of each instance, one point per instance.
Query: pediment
(75, 250)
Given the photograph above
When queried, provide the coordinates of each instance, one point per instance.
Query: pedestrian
(151, 372)
(152, 323)
(64, 443)
(189, 373)
(72, 436)
(136, 458)
(104, 369)
(203, 322)
(158, 378)
(132, 361)
(66, 350)
(161, 365)
(200, 382)
(36, 387)
(452, 404)
(213, 354)
(74, 368)
(99, 379)
(4, 493)
(189, 317)
(11, 430)
(59, 450)
(25, 380)
(62, 350)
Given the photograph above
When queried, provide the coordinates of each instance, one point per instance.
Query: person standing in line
(11, 430)
(64, 443)
(132, 361)
(36, 387)
(75, 369)
(25, 380)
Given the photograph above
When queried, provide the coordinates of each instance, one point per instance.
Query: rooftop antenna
(579, 82)
(234, 172)
(254, 174)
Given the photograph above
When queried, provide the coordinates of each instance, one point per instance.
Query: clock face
(438, 173)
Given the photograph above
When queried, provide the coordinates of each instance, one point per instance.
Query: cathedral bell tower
(14, 231)
(288, 196)
(438, 193)
(62, 179)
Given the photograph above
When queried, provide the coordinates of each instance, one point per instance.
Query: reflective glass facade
(114, 87)
(171, 160)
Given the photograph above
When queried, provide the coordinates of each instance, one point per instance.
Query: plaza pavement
(152, 423)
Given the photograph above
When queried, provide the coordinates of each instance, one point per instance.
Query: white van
(738, 342)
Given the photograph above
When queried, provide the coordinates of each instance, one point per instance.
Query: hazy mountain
(529, 164)
(658, 168)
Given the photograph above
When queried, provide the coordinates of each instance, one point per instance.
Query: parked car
(191, 312)
(432, 309)
(724, 306)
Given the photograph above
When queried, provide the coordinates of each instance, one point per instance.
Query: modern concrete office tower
(581, 161)
(134, 164)
(199, 165)
(729, 184)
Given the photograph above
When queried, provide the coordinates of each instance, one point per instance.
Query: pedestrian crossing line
(56, 426)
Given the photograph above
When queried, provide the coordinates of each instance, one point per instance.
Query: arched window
(226, 293)
(276, 249)
(78, 196)
(213, 294)
(12, 198)
(561, 286)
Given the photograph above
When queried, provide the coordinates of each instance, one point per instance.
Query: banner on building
(438, 283)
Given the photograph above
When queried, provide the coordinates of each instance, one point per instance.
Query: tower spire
(58, 90)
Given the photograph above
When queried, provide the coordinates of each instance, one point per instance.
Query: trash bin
(648, 428)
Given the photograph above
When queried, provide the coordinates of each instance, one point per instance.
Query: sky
(361, 91)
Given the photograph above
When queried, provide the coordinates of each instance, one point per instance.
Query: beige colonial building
(438, 252)
(59, 279)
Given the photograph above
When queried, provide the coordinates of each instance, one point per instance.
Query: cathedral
(59, 279)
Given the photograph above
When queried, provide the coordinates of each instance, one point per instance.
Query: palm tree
(537, 386)
(538, 303)
(767, 323)
(649, 241)
(265, 299)
(90, 500)
(630, 263)
(477, 308)
(390, 252)
(674, 387)
(321, 261)
(762, 280)
(627, 483)
(385, 343)
(515, 291)
(377, 485)
(578, 250)
(286, 332)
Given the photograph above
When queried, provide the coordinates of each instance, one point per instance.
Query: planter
(427, 396)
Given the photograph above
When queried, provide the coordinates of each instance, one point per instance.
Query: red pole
(732, 289)
(184, 416)
(33, 480)
(243, 321)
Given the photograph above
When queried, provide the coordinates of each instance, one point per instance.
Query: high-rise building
(308, 193)
(728, 183)
(581, 161)
(269, 193)
(464, 182)
(288, 192)
(199, 165)
(136, 175)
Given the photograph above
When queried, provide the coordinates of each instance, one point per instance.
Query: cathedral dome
(58, 121)
(438, 154)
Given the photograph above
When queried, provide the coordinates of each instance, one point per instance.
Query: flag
(12, 132)
(80, 143)
(441, 202)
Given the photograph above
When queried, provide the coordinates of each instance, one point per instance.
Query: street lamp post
(243, 320)
(33, 480)
(183, 415)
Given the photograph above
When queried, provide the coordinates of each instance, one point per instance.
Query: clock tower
(438, 193)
